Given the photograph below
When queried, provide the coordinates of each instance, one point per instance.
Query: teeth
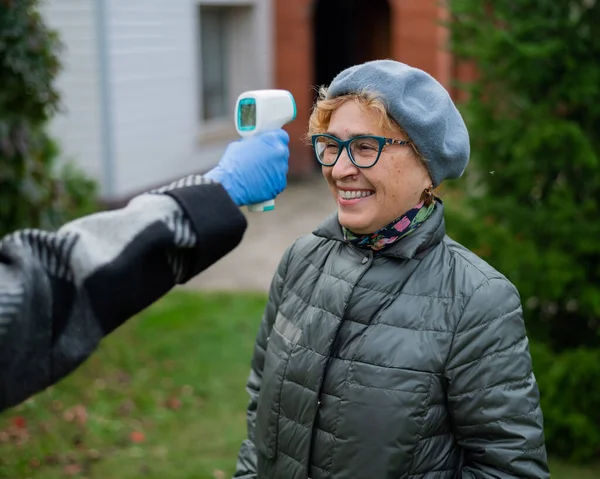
(351, 195)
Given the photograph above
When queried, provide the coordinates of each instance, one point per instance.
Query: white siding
(154, 65)
(78, 127)
(131, 86)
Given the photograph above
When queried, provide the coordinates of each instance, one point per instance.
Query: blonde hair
(324, 107)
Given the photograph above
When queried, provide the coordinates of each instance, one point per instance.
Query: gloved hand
(254, 169)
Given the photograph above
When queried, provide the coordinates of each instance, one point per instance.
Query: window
(214, 58)
(235, 51)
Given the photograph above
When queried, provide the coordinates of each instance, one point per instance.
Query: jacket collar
(429, 234)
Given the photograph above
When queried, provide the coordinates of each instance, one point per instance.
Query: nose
(344, 167)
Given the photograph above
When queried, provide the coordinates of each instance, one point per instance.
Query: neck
(394, 231)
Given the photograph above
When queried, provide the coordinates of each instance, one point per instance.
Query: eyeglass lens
(364, 151)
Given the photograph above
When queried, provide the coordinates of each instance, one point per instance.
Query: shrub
(34, 191)
(531, 208)
(570, 400)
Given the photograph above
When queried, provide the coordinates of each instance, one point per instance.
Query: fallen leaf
(72, 469)
(137, 436)
(51, 460)
(19, 422)
(76, 414)
(123, 378)
(78, 441)
(218, 474)
(81, 414)
(173, 403)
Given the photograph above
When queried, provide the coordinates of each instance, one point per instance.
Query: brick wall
(294, 72)
(417, 39)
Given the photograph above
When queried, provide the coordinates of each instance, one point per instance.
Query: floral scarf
(397, 229)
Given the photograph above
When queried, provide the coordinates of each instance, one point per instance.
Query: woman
(387, 350)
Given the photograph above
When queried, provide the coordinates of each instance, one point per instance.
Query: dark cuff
(217, 221)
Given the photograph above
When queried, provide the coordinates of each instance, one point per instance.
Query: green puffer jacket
(410, 363)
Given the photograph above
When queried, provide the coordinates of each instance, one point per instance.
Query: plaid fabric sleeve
(62, 292)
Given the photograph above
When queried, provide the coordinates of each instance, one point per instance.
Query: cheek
(327, 174)
(387, 182)
(397, 179)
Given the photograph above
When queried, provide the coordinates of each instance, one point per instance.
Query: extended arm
(62, 292)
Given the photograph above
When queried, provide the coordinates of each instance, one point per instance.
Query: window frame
(244, 69)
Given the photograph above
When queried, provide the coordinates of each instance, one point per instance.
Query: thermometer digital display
(247, 114)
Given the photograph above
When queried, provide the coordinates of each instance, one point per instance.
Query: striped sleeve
(62, 292)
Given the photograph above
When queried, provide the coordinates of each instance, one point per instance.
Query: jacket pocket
(383, 411)
(284, 336)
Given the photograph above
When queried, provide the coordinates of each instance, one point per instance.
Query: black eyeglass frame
(381, 140)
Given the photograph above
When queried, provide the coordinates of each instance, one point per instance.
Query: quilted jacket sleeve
(492, 393)
(246, 467)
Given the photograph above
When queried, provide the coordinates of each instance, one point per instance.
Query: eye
(367, 145)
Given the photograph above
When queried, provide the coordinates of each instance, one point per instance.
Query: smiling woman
(369, 197)
(386, 348)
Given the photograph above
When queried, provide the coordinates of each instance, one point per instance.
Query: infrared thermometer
(263, 110)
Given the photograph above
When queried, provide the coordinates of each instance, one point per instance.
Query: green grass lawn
(162, 398)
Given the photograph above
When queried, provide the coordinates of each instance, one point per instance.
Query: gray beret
(420, 105)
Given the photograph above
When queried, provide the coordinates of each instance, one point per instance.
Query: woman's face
(393, 186)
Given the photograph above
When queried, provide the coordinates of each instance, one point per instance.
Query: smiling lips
(353, 196)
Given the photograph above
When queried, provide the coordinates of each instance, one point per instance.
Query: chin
(356, 225)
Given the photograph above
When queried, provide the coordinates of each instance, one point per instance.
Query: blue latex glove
(254, 169)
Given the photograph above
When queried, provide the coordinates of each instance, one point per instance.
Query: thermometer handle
(264, 206)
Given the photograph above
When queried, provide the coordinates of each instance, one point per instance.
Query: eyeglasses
(364, 151)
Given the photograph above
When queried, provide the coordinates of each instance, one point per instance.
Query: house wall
(155, 84)
(77, 127)
(132, 86)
